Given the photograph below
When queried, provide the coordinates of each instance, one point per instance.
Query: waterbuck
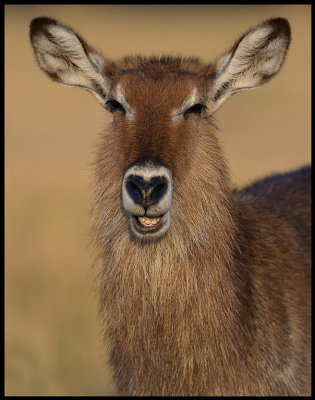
(204, 289)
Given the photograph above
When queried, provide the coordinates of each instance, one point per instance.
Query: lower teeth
(148, 222)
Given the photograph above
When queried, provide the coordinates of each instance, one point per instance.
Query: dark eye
(113, 105)
(195, 109)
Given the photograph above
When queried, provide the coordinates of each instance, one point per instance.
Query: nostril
(159, 187)
(133, 189)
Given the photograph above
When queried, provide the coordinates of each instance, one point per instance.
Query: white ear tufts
(97, 62)
(252, 61)
(67, 58)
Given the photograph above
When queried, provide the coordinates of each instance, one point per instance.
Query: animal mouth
(148, 224)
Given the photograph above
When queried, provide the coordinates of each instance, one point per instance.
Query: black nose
(146, 192)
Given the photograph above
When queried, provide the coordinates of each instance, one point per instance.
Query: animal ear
(254, 59)
(66, 58)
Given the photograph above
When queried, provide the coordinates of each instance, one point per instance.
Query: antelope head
(158, 105)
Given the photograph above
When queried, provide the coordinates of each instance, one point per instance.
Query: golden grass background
(52, 337)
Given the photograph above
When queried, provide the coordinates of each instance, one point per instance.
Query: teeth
(148, 221)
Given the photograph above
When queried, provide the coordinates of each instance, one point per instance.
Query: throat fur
(163, 295)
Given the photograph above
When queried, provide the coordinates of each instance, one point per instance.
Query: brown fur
(220, 304)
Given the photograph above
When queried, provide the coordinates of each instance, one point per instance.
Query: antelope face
(154, 113)
(157, 105)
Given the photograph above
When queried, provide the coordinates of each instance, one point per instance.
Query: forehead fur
(166, 64)
(173, 78)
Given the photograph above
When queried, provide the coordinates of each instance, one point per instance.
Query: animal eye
(195, 109)
(113, 105)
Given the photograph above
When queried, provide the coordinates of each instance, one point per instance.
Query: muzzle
(147, 198)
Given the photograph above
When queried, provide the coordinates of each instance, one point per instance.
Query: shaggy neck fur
(171, 308)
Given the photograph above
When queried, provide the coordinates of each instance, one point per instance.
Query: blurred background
(53, 343)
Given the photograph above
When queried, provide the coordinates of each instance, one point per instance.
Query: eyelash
(195, 109)
(113, 105)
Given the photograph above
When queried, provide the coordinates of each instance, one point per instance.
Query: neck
(178, 303)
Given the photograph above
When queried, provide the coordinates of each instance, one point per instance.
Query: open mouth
(148, 224)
